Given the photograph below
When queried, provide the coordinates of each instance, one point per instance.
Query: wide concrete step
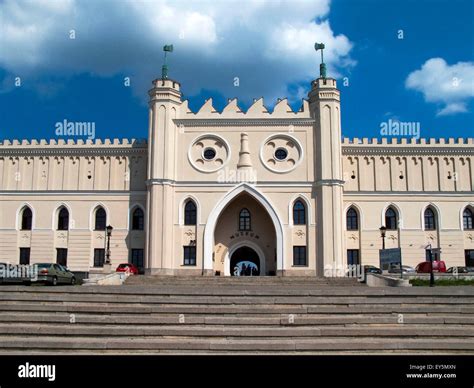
(245, 299)
(105, 308)
(237, 319)
(258, 290)
(232, 280)
(226, 331)
(196, 345)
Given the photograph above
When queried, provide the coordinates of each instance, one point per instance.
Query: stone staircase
(150, 315)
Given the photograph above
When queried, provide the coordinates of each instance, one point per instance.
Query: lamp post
(431, 264)
(383, 229)
(109, 229)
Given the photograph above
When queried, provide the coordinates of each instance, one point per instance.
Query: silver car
(55, 274)
(405, 269)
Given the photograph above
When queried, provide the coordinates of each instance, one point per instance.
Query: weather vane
(322, 66)
(164, 70)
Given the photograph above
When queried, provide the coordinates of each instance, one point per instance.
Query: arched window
(352, 221)
(138, 219)
(467, 218)
(26, 218)
(430, 219)
(391, 219)
(100, 219)
(190, 213)
(63, 219)
(299, 213)
(244, 220)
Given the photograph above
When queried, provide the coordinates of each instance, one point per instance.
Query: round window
(281, 154)
(209, 153)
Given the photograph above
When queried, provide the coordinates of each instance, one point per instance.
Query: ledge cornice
(83, 151)
(211, 122)
(409, 151)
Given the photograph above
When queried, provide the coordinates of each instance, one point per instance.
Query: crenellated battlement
(257, 110)
(66, 143)
(407, 141)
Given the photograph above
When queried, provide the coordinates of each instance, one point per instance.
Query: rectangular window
(99, 257)
(137, 258)
(435, 254)
(299, 255)
(469, 255)
(189, 255)
(61, 256)
(25, 256)
(353, 257)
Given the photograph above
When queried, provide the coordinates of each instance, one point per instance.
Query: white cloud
(450, 86)
(267, 44)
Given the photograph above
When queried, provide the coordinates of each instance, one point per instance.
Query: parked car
(127, 267)
(425, 266)
(457, 270)
(405, 269)
(470, 269)
(372, 269)
(55, 274)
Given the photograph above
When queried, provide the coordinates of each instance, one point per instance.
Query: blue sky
(426, 77)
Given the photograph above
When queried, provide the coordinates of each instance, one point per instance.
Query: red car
(438, 266)
(127, 267)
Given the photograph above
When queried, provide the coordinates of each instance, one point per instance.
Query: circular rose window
(208, 153)
(281, 153)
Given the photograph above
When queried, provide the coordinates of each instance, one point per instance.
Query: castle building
(221, 193)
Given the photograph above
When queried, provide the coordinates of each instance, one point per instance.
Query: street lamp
(383, 229)
(109, 229)
(430, 252)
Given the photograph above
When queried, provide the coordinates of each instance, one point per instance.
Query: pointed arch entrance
(242, 252)
(270, 212)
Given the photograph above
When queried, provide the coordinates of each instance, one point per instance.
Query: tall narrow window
(352, 221)
(353, 257)
(25, 256)
(138, 219)
(63, 219)
(432, 254)
(244, 220)
(189, 253)
(99, 257)
(137, 258)
(299, 255)
(469, 257)
(61, 256)
(100, 219)
(430, 219)
(190, 213)
(26, 218)
(391, 219)
(299, 213)
(467, 218)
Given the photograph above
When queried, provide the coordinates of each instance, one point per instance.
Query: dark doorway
(245, 262)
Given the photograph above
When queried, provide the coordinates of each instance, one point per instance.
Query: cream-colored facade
(215, 188)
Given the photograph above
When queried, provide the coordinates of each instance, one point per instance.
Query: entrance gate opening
(245, 262)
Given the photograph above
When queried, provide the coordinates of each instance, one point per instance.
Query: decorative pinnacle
(244, 155)
(164, 70)
(322, 66)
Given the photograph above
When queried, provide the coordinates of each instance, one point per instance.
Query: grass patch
(442, 282)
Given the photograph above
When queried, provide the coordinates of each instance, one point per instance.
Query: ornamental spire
(322, 66)
(164, 70)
